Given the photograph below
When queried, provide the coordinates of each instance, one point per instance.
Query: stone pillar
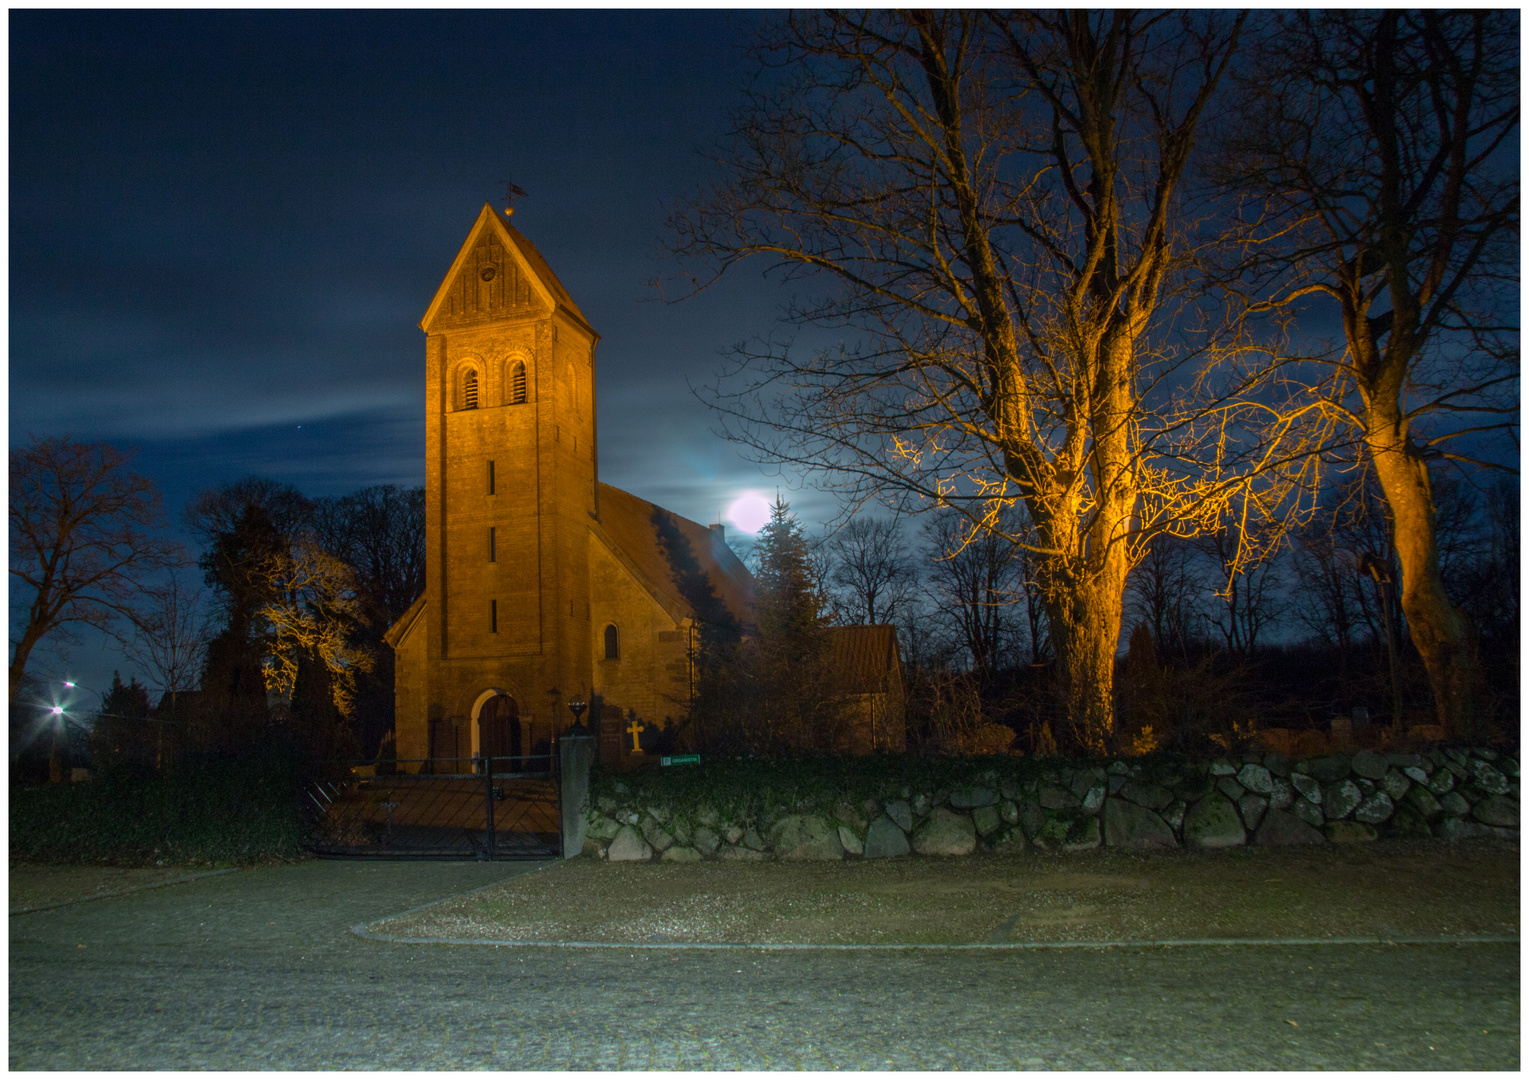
(576, 752)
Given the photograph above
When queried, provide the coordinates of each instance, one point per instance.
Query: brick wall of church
(409, 697)
(650, 674)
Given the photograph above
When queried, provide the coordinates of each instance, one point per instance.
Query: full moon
(750, 512)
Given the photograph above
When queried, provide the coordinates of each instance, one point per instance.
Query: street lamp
(58, 714)
(69, 702)
(72, 685)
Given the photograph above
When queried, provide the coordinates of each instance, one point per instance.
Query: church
(545, 586)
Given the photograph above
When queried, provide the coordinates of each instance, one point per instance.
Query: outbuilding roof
(864, 658)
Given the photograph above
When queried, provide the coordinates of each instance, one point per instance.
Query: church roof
(533, 263)
(863, 657)
(395, 634)
(626, 524)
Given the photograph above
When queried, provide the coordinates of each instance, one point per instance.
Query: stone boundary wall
(1261, 798)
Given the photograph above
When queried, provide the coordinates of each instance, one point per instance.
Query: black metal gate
(441, 808)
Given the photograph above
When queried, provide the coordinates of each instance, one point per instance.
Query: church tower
(541, 583)
(510, 491)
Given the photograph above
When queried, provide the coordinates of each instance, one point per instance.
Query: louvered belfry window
(518, 384)
(470, 390)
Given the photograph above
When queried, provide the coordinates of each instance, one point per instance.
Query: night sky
(225, 228)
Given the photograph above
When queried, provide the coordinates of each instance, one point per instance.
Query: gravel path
(1389, 891)
(35, 887)
(259, 970)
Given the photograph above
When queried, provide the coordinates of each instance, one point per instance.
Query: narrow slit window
(492, 553)
(470, 389)
(493, 616)
(490, 477)
(518, 384)
(612, 643)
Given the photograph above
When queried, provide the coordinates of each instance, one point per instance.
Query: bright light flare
(750, 512)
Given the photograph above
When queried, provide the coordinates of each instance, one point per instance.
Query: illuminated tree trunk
(1412, 228)
(1382, 349)
(1085, 586)
(997, 196)
(1085, 628)
(1439, 630)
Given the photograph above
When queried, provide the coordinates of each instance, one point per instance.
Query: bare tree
(81, 545)
(1247, 584)
(380, 532)
(1327, 579)
(1489, 591)
(1497, 570)
(172, 629)
(990, 202)
(170, 640)
(1380, 147)
(1164, 594)
(871, 568)
(974, 581)
(1346, 565)
(1037, 627)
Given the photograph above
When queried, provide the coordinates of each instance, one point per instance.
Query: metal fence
(443, 808)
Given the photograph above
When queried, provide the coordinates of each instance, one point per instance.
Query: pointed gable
(497, 274)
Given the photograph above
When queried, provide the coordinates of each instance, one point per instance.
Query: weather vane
(511, 192)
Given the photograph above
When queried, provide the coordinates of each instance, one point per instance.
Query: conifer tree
(120, 734)
(793, 699)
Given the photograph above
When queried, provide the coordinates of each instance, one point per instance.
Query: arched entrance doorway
(499, 728)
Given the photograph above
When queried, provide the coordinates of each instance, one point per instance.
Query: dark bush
(240, 810)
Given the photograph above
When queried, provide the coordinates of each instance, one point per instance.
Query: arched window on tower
(470, 389)
(518, 383)
(612, 644)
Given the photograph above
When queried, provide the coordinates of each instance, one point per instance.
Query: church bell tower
(510, 490)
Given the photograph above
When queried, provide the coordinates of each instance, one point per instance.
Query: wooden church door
(499, 728)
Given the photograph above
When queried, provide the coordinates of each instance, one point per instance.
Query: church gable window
(518, 383)
(612, 643)
(470, 389)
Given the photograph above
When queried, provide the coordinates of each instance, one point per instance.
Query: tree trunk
(1085, 630)
(1084, 585)
(1439, 630)
(19, 664)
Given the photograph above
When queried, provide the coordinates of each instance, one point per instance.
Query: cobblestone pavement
(258, 970)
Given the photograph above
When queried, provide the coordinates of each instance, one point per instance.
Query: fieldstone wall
(1261, 798)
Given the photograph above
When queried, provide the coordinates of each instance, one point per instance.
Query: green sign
(681, 759)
